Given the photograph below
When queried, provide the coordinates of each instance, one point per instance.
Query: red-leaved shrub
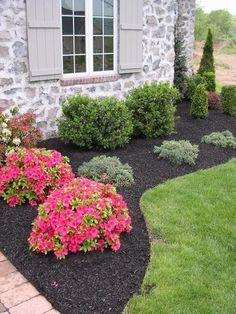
(82, 216)
(31, 174)
(23, 127)
(214, 100)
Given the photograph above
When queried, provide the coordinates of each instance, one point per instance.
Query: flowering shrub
(19, 130)
(30, 174)
(82, 216)
(214, 100)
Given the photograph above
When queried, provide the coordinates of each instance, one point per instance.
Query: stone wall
(44, 98)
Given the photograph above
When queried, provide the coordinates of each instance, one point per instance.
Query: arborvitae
(199, 102)
(207, 62)
(180, 64)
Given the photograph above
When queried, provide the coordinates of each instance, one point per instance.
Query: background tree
(207, 62)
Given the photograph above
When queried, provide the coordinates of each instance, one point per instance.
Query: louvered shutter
(44, 39)
(131, 32)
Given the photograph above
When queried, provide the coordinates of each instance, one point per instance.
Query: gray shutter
(131, 31)
(44, 39)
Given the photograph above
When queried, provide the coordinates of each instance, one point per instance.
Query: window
(88, 36)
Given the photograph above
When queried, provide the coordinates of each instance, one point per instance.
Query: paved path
(17, 295)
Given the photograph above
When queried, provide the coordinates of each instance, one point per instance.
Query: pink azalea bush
(214, 100)
(82, 216)
(31, 174)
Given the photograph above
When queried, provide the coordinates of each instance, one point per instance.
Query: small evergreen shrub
(223, 139)
(199, 103)
(180, 77)
(207, 61)
(107, 170)
(214, 100)
(192, 82)
(178, 152)
(153, 108)
(95, 123)
(228, 99)
(81, 216)
(31, 174)
(210, 79)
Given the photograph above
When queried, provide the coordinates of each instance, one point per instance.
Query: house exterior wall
(44, 98)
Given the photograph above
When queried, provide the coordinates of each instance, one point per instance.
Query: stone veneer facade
(44, 98)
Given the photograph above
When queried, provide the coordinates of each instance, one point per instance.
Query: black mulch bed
(103, 283)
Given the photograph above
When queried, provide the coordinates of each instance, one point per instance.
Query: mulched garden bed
(103, 283)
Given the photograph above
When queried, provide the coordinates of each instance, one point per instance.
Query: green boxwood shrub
(153, 108)
(199, 103)
(228, 99)
(95, 123)
(210, 80)
(192, 82)
(223, 139)
(107, 170)
(178, 152)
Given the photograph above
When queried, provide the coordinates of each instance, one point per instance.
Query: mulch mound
(103, 283)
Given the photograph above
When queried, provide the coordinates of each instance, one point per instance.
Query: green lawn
(218, 88)
(192, 225)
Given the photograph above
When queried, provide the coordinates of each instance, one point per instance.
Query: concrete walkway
(17, 295)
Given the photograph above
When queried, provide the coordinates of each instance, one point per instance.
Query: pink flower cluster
(81, 216)
(31, 174)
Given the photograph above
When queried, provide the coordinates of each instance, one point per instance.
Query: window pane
(97, 7)
(108, 62)
(67, 7)
(68, 64)
(67, 45)
(80, 64)
(108, 8)
(79, 8)
(97, 44)
(97, 26)
(79, 26)
(67, 25)
(79, 45)
(108, 26)
(108, 44)
(97, 63)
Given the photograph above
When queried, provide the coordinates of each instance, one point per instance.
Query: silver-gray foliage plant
(223, 139)
(107, 170)
(178, 152)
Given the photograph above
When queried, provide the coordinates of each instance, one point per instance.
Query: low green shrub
(153, 108)
(178, 152)
(192, 82)
(210, 81)
(228, 99)
(95, 123)
(107, 170)
(223, 139)
(199, 103)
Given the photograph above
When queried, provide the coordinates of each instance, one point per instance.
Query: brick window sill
(89, 80)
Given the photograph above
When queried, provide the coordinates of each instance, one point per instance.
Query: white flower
(6, 132)
(4, 139)
(16, 141)
(10, 151)
(4, 125)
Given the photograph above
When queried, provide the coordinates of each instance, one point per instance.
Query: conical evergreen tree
(207, 62)
(180, 64)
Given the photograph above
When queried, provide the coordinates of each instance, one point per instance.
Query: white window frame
(89, 43)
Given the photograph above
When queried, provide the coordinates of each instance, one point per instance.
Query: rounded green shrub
(107, 170)
(192, 82)
(199, 103)
(153, 108)
(223, 139)
(228, 99)
(210, 80)
(178, 152)
(95, 123)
